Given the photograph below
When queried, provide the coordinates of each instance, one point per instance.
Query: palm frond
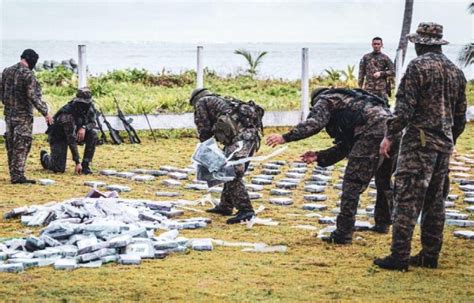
(259, 58)
(253, 64)
(247, 55)
(466, 56)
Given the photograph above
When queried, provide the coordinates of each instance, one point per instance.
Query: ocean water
(282, 61)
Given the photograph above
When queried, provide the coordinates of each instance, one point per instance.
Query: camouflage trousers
(419, 187)
(384, 186)
(363, 163)
(235, 193)
(56, 161)
(18, 138)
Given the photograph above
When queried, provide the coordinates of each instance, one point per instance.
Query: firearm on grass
(114, 134)
(149, 125)
(132, 134)
(103, 137)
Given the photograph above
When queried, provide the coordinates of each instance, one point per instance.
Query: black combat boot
(391, 263)
(43, 155)
(243, 215)
(380, 228)
(335, 238)
(220, 211)
(23, 180)
(420, 260)
(86, 170)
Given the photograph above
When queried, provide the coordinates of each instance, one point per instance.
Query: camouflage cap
(84, 95)
(197, 94)
(428, 33)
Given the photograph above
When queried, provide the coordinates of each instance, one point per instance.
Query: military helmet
(316, 92)
(197, 94)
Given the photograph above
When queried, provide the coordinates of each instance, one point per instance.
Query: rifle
(132, 134)
(114, 134)
(149, 125)
(103, 137)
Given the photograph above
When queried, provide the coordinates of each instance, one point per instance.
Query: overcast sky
(226, 21)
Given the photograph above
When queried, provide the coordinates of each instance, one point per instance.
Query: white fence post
(82, 66)
(304, 84)
(398, 68)
(199, 69)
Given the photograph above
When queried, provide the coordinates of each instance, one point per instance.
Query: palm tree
(466, 56)
(253, 64)
(349, 74)
(407, 16)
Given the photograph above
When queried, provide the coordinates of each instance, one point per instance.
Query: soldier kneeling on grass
(74, 123)
(230, 121)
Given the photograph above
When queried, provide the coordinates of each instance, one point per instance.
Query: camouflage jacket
(65, 129)
(206, 112)
(20, 92)
(324, 114)
(431, 104)
(370, 64)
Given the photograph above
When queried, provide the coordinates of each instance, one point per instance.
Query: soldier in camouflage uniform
(376, 71)
(356, 119)
(208, 108)
(431, 107)
(19, 93)
(73, 123)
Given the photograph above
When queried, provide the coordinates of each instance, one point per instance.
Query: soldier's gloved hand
(309, 157)
(49, 119)
(274, 140)
(385, 147)
(377, 75)
(81, 133)
(78, 169)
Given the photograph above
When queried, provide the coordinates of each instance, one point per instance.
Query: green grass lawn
(310, 271)
(140, 91)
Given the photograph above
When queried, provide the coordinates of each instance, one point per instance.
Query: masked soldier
(376, 71)
(355, 119)
(431, 107)
(74, 123)
(19, 93)
(230, 121)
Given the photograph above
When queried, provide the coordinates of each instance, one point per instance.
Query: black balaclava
(31, 57)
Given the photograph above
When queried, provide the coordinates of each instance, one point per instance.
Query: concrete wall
(176, 121)
(172, 121)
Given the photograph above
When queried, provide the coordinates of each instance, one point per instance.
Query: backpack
(242, 115)
(342, 123)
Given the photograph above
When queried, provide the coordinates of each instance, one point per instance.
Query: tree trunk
(407, 16)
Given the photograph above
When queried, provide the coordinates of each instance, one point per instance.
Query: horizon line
(207, 42)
